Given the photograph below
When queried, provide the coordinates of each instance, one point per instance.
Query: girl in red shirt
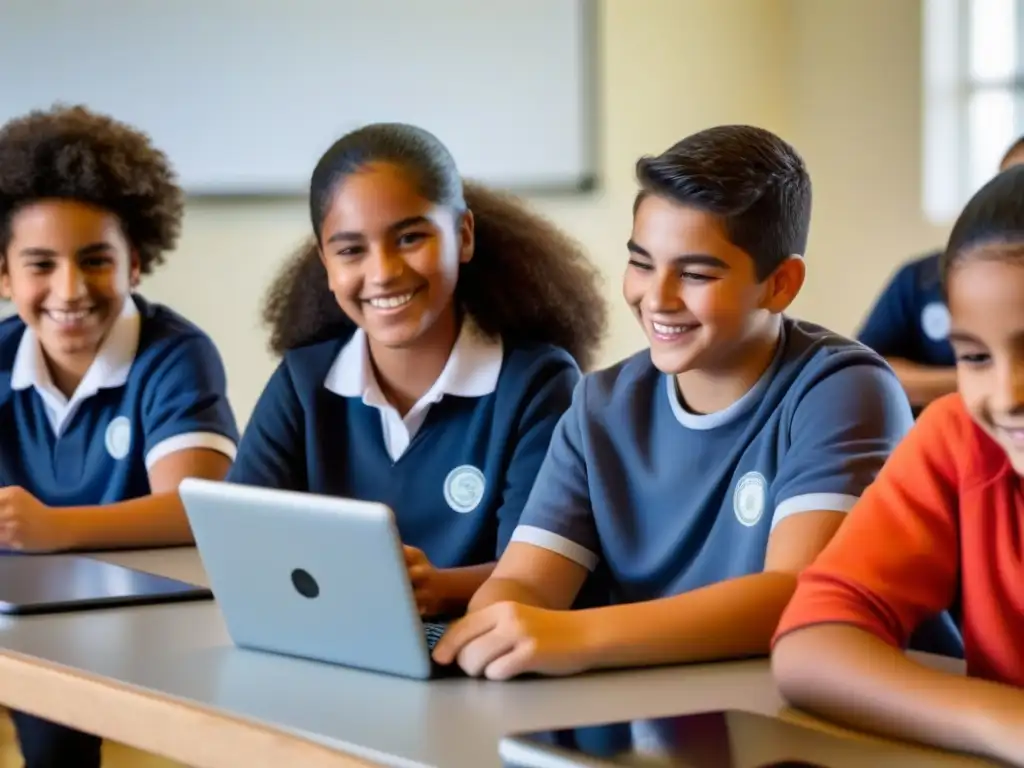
(945, 518)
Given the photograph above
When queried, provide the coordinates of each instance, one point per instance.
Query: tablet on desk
(33, 584)
(710, 740)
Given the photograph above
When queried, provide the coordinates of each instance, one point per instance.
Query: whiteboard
(245, 95)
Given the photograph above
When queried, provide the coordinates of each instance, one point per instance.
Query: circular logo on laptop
(748, 499)
(464, 488)
(935, 321)
(304, 583)
(119, 437)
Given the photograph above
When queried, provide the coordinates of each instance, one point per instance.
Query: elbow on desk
(798, 669)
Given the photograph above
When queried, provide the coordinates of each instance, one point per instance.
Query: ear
(134, 269)
(467, 237)
(5, 280)
(323, 261)
(782, 285)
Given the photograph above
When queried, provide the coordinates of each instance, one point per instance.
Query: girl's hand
(427, 583)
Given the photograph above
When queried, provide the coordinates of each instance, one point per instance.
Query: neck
(67, 373)
(404, 374)
(711, 390)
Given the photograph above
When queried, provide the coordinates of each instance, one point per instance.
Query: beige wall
(855, 115)
(839, 78)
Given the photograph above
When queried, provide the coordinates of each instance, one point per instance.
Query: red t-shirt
(945, 513)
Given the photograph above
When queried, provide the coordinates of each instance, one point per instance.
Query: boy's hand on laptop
(508, 639)
(26, 524)
(426, 582)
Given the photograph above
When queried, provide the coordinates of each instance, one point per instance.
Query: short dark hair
(994, 217)
(749, 177)
(527, 281)
(75, 154)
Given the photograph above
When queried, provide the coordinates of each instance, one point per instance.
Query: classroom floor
(114, 755)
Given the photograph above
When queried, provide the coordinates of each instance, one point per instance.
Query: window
(973, 71)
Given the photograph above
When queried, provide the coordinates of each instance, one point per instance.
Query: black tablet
(707, 740)
(33, 584)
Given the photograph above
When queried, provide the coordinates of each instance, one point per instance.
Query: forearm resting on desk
(923, 383)
(850, 676)
(731, 619)
(149, 521)
(728, 620)
(155, 520)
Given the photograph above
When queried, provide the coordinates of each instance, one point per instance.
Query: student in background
(431, 334)
(106, 400)
(703, 474)
(944, 519)
(909, 323)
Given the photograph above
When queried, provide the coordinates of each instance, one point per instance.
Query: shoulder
(924, 271)
(307, 366)
(531, 361)
(814, 353)
(946, 424)
(163, 332)
(624, 383)
(11, 331)
(824, 375)
(916, 276)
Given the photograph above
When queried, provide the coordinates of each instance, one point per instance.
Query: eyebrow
(409, 221)
(88, 250)
(682, 260)
(962, 336)
(94, 248)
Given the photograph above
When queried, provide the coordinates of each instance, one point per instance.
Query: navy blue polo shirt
(156, 386)
(910, 319)
(456, 469)
(668, 501)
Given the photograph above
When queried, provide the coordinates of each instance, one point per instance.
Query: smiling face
(694, 292)
(392, 257)
(68, 269)
(986, 305)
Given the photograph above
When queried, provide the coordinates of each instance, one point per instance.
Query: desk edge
(173, 728)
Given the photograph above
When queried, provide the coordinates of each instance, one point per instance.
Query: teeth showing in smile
(670, 330)
(391, 302)
(68, 318)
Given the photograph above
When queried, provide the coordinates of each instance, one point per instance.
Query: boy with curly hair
(107, 401)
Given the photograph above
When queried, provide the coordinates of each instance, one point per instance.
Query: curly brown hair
(74, 153)
(528, 282)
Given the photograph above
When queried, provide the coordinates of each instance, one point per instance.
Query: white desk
(167, 679)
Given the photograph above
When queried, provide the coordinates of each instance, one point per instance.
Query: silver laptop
(318, 577)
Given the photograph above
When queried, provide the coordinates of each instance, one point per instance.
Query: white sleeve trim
(811, 502)
(538, 537)
(191, 441)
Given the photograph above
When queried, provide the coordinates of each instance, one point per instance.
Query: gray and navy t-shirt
(668, 501)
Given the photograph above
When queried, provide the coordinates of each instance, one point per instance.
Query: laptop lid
(319, 577)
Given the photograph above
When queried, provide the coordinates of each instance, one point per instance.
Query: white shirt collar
(472, 370)
(109, 368)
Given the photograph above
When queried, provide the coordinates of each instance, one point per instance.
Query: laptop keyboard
(433, 631)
